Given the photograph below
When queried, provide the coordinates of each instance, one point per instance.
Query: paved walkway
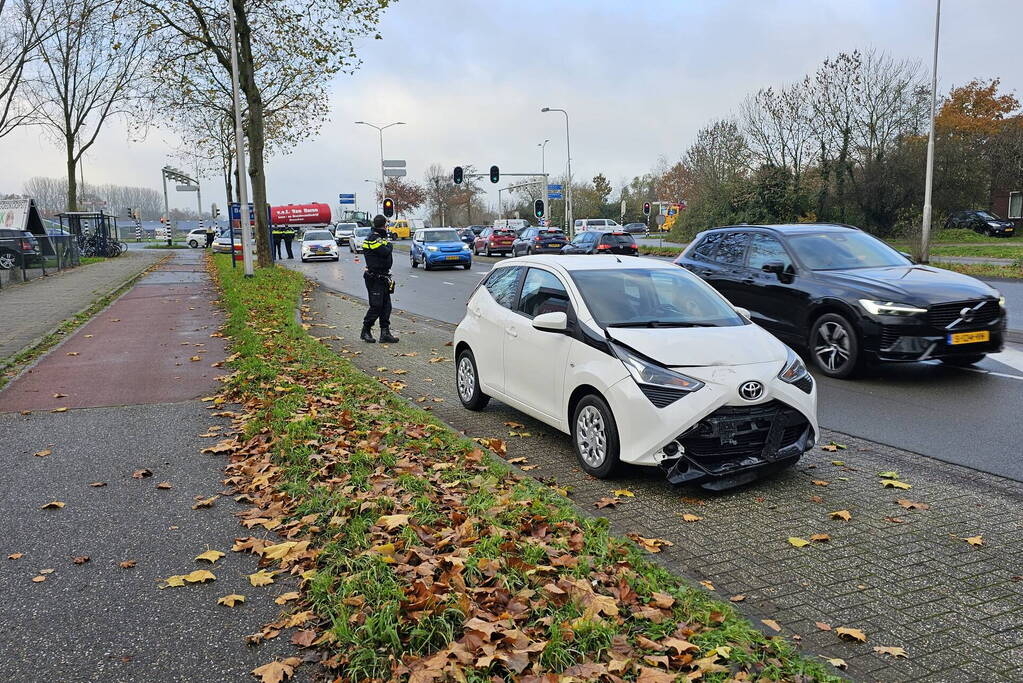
(132, 404)
(906, 577)
(34, 308)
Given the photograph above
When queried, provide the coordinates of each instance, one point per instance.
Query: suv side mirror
(776, 267)
(551, 322)
(908, 256)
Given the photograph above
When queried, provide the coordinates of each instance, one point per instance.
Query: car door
(729, 269)
(535, 360)
(775, 302)
(491, 308)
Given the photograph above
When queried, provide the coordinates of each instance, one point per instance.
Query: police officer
(282, 233)
(210, 234)
(377, 252)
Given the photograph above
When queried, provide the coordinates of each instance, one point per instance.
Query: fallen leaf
(851, 634)
(840, 514)
(838, 463)
(687, 517)
(204, 502)
(195, 358)
(606, 503)
(53, 504)
(210, 556)
(895, 520)
(651, 545)
(81, 559)
(737, 598)
(392, 522)
(59, 410)
(623, 493)
(708, 585)
(15, 556)
(60, 395)
(287, 597)
(816, 499)
(895, 484)
(97, 484)
(912, 504)
(771, 624)
(836, 662)
(888, 475)
(820, 482)
(261, 578)
(820, 538)
(975, 540)
(38, 579)
(43, 453)
(231, 600)
(798, 542)
(164, 485)
(72, 353)
(824, 626)
(127, 564)
(304, 638)
(141, 474)
(277, 671)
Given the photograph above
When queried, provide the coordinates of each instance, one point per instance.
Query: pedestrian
(379, 285)
(278, 232)
(210, 234)
(289, 235)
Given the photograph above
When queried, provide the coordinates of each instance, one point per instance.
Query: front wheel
(962, 361)
(595, 437)
(467, 266)
(467, 382)
(835, 347)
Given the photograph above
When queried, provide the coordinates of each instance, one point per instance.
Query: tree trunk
(256, 134)
(72, 181)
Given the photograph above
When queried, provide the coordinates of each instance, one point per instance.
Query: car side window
(764, 249)
(732, 249)
(503, 285)
(581, 238)
(542, 292)
(704, 251)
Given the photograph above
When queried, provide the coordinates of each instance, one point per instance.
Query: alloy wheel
(466, 379)
(591, 436)
(832, 346)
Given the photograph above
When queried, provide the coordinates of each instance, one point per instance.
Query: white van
(516, 224)
(584, 224)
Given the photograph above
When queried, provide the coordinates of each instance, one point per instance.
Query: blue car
(435, 247)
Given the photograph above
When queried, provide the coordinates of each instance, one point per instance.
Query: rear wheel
(834, 346)
(412, 260)
(961, 361)
(595, 437)
(489, 253)
(467, 382)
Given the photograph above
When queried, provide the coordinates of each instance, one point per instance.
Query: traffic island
(899, 565)
(422, 553)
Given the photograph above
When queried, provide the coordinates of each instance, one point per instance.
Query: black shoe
(386, 337)
(367, 336)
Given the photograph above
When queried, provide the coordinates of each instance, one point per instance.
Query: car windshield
(347, 226)
(317, 235)
(661, 297)
(362, 232)
(440, 236)
(844, 250)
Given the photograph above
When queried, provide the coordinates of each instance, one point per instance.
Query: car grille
(943, 315)
(735, 432)
(889, 336)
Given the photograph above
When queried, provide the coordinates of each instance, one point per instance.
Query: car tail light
(603, 247)
(26, 245)
(537, 239)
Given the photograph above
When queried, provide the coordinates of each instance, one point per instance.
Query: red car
(494, 241)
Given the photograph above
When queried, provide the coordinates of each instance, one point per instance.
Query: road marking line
(1010, 357)
(449, 283)
(411, 275)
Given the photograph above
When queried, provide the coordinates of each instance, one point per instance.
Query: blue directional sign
(555, 195)
(346, 199)
(234, 210)
(554, 188)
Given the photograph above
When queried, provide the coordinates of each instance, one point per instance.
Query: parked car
(848, 297)
(18, 248)
(640, 363)
(222, 244)
(468, 236)
(636, 228)
(196, 238)
(539, 241)
(494, 241)
(584, 224)
(319, 244)
(359, 236)
(600, 242)
(344, 231)
(983, 222)
(477, 229)
(435, 247)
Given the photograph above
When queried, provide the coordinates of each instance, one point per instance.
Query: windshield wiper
(661, 323)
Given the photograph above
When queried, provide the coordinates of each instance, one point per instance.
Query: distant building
(1009, 204)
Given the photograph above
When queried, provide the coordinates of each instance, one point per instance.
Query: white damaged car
(640, 362)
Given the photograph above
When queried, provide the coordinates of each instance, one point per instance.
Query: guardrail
(21, 261)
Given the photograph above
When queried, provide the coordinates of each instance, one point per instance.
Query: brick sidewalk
(36, 307)
(907, 578)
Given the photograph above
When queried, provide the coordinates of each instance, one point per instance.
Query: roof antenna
(617, 258)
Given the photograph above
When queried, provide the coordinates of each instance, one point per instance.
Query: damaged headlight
(794, 372)
(645, 372)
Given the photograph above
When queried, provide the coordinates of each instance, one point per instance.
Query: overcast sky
(638, 78)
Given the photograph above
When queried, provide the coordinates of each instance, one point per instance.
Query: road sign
(554, 187)
(394, 172)
(555, 195)
(236, 214)
(187, 188)
(394, 163)
(346, 199)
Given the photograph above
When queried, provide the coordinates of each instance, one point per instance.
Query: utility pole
(925, 237)
(381, 129)
(569, 225)
(239, 141)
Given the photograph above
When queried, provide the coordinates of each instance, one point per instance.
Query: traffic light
(215, 211)
(495, 174)
(388, 207)
(458, 175)
(646, 208)
(538, 208)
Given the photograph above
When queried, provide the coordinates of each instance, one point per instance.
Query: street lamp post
(376, 184)
(925, 237)
(543, 171)
(569, 226)
(381, 129)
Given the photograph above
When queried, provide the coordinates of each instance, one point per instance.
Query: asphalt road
(965, 416)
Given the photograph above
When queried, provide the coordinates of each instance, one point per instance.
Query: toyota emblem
(751, 390)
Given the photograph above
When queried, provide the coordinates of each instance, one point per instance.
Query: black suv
(18, 248)
(539, 241)
(983, 222)
(602, 242)
(847, 296)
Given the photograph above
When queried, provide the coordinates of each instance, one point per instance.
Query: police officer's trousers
(378, 289)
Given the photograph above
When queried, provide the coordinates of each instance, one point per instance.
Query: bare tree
(85, 76)
(777, 125)
(21, 30)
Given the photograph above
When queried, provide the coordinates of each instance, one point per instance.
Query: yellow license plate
(969, 337)
(453, 258)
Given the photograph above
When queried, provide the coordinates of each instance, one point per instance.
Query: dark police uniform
(283, 233)
(378, 254)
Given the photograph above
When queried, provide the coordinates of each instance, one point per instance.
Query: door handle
(512, 332)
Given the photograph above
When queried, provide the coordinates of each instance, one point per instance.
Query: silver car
(344, 231)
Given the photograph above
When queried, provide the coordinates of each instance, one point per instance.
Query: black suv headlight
(646, 372)
(889, 308)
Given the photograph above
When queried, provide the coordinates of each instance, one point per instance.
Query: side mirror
(908, 256)
(744, 312)
(776, 267)
(551, 322)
